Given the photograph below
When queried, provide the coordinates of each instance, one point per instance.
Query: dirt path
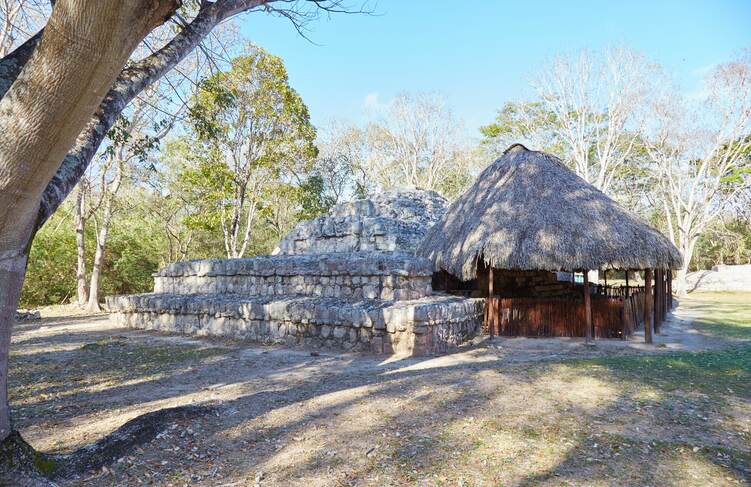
(289, 417)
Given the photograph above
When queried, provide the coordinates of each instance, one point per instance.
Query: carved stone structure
(390, 221)
(346, 280)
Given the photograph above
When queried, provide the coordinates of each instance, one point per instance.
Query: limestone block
(369, 292)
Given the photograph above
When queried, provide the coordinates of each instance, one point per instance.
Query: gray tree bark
(82, 293)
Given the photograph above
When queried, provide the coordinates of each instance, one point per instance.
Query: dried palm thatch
(528, 211)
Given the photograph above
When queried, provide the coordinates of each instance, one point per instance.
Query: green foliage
(312, 198)
(726, 241)
(254, 156)
(133, 254)
(519, 122)
(50, 275)
(253, 99)
(207, 183)
(134, 251)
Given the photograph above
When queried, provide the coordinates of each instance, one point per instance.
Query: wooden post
(626, 303)
(648, 305)
(658, 300)
(491, 314)
(605, 276)
(587, 310)
(655, 301)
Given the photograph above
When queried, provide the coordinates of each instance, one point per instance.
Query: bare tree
(701, 154)
(341, 161)
(416, 142)
(19, 20)
(594, 98)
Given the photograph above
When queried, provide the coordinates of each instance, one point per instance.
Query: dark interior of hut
(550, 304)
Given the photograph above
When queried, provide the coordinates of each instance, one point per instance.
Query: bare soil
(501, 412)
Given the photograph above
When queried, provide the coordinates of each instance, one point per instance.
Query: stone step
(427, 325)
(358, 275)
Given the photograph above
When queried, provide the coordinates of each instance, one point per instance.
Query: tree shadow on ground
(287, 411)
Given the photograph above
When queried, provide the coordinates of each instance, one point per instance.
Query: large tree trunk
(12, 272)
(131, 82)
(82, 292)
(80, 54)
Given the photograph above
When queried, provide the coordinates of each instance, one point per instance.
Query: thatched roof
(528, 211)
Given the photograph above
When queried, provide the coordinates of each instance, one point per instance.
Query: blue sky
(483, 53)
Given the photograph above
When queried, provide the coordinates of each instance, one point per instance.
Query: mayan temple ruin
(347, 280)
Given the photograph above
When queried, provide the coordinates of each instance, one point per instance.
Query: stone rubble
(390, 221)
(28, 315)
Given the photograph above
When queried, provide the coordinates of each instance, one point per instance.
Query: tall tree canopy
(255, 139)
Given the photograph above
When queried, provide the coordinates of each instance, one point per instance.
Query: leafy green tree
(254, 133)
(528, 123)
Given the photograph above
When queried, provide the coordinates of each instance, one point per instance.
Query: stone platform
(432, 324)
(356, 275)
(346, 280)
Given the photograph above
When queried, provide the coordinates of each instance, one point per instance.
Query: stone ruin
(390, 221)
(346, 280)
(721, 278)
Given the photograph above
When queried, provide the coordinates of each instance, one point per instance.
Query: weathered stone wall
(389, 221)
(362, 275)
(721, 278)
(429, 325)
(347, 280)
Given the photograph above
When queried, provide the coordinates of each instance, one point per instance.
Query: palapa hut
(526, 218)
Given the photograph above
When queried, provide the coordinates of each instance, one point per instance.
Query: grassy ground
(722, 314)
(484, 416)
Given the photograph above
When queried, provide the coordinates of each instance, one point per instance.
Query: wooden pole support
(648, 305)
(587, 310)
(491, 314)
(656, 301)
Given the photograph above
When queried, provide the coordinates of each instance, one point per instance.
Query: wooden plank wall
(538, 317)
